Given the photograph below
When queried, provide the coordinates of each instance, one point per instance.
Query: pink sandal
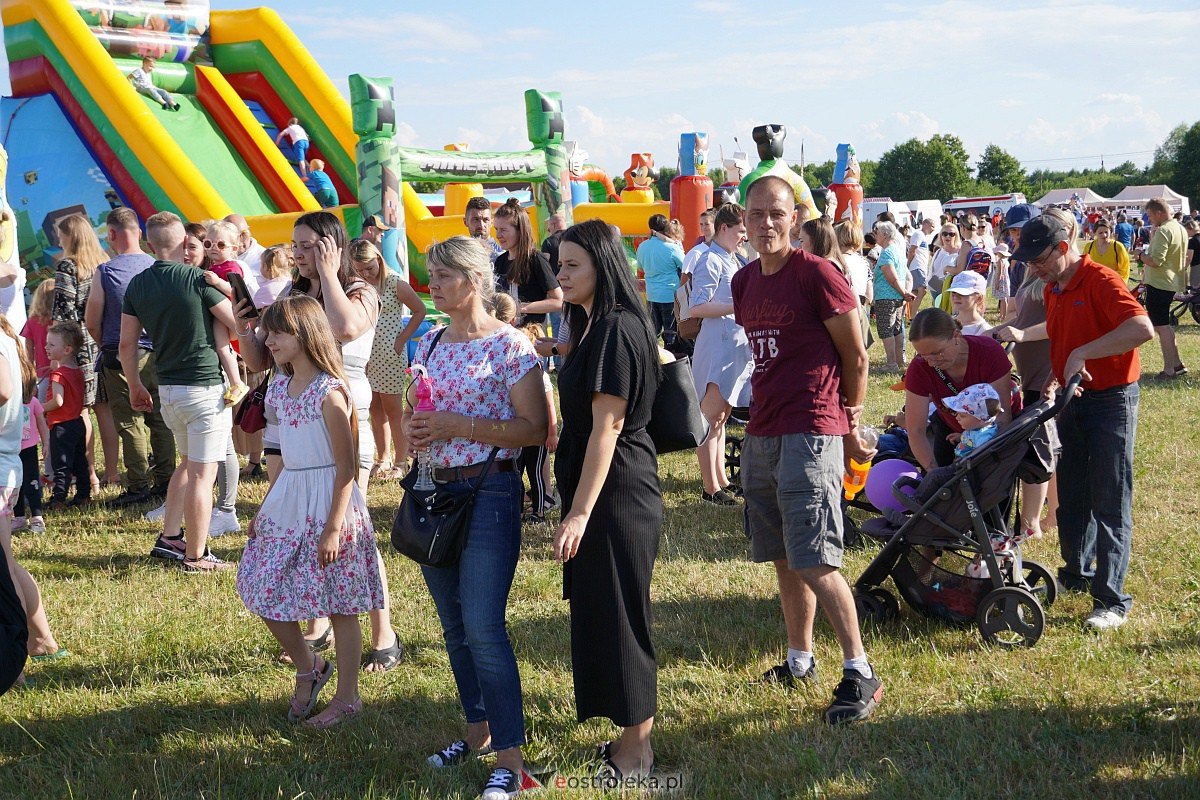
(318, 676)
(335, 713)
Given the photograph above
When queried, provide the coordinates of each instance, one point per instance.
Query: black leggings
(68, 455)
(532, 459)
(30, 493)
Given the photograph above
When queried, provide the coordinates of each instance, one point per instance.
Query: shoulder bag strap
(487, 467)
(437, 337)
(946, 380)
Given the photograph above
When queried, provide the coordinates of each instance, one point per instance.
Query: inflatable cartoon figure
(735, 169)
(639, 179)
(769, 139)
(692, 191)
(693, 154)
(372, 107)
(546, 125)
(589, 183)
(844, 200)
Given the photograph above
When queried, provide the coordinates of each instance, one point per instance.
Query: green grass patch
(173, 690)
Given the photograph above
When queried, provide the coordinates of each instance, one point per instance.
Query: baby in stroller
(975, 408)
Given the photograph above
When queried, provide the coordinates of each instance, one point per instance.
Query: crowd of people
(776, 311)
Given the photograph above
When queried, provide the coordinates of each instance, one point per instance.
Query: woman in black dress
(607, 471)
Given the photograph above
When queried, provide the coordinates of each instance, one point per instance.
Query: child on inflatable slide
(141, 81)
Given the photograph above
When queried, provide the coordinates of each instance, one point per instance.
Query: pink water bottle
(424, 395)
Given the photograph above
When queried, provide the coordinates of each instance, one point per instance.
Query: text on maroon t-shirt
(797, 378)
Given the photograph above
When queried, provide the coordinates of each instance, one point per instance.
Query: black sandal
(389, 657)
(317, 645)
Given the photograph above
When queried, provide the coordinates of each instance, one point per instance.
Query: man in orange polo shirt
(1095, 326)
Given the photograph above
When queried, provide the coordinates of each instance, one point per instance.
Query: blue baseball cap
(1019, 214)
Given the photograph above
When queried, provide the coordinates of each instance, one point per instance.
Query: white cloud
(406, 135)
(1115, 98)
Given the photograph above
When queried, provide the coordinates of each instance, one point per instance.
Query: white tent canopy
(1056, 197)
(1136, 196)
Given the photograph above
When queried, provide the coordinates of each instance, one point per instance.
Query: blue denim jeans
(471, 598)
(1095, 493)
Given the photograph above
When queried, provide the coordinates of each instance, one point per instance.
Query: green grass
(173, 690)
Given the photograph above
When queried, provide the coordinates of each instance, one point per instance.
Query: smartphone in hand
(241, 292)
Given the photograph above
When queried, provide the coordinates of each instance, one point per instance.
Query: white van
(872, 207)
(924, 209)
(983, 206)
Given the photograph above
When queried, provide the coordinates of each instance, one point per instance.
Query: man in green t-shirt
(1165, 274)
(178, 309)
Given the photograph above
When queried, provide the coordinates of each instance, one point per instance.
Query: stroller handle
(1066, 394)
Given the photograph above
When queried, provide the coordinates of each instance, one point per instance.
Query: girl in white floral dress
(312, 548)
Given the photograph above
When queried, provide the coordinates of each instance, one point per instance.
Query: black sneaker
(454, 754)
(168, 548)
(159, 490)
(854, 698)
(504, 784)
(719, 498)
(130, 497)
(782, 675)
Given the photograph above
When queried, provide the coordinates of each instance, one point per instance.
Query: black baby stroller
(952, 519)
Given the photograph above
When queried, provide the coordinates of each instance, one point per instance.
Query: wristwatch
(554, 350)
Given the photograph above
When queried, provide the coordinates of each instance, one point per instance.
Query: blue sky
(1056, 79)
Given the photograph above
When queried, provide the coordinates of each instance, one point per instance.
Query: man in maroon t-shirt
(809, 384)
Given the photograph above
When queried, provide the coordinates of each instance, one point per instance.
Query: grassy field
(173, 691)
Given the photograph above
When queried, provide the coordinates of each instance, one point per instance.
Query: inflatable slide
(82, 138)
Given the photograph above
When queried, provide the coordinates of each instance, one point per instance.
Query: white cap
(968, 283)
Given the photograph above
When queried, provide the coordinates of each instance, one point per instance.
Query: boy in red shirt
(64, 414)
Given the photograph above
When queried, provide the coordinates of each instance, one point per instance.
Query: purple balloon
(880, 480)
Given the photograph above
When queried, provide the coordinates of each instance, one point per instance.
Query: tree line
(940, 168)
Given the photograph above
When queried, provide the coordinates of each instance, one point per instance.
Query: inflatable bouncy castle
(82, 138)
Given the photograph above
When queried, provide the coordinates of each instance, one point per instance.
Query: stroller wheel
(870, 609)
(1010, 617)
(891, 606)
(1038, 580)
(733, 458)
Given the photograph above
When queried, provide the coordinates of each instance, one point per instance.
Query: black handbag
(675, 421)
(431, 526)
